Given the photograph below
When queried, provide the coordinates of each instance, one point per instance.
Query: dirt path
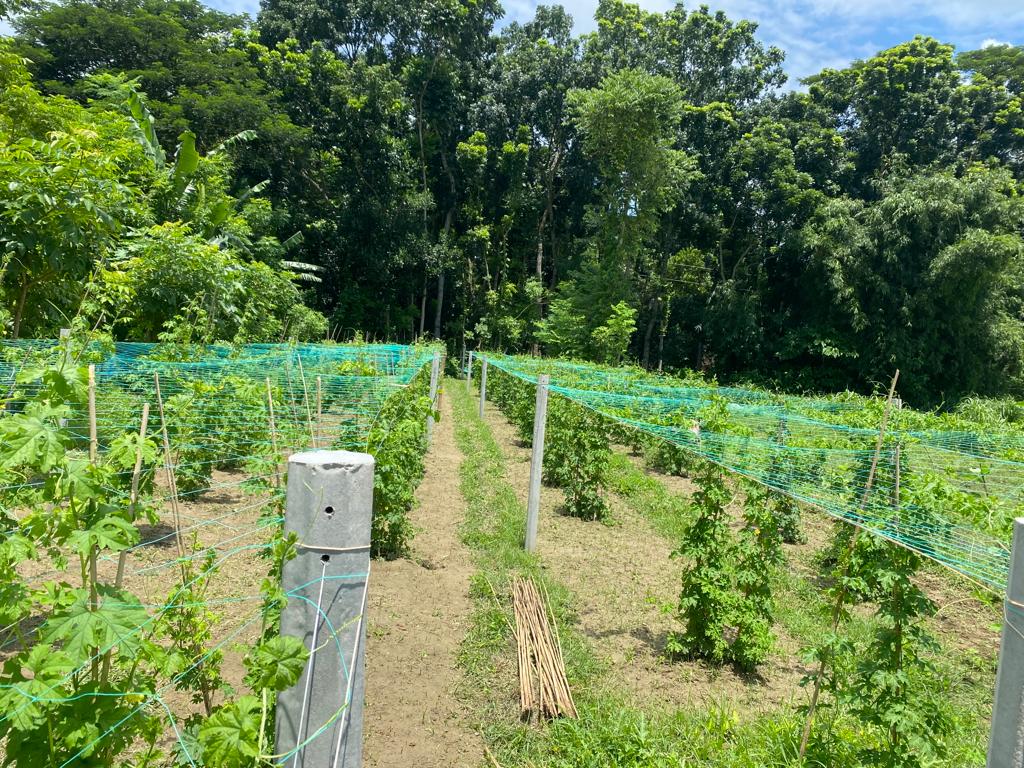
(418, 614)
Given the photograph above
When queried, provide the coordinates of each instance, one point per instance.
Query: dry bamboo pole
(133, 499)
(172, 483)
(319, 412)
(94, 442)
(561, 657)
(491, 758)
(305, 401)
(94, 595)
(841, 597)
(539, 655)
(273, 433)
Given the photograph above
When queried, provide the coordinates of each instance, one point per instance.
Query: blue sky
(821, 33)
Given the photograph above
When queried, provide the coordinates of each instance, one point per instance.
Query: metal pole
(1006, 744)
(435, 367)
(329, 507)
(483, 386)
(540, 416)
(469, 370)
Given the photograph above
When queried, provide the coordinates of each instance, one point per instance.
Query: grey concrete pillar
(1006, 744)
(329, 508)
(483, 385)
(435, 368)
(540, 416)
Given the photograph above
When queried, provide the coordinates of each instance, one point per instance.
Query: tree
(928, 279)
(69, 184)
(1001, 64)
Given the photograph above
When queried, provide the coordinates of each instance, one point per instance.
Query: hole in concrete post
(328, 511)
(325, 558)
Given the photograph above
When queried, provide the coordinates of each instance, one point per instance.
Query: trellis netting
(948, 493)
(231, 415)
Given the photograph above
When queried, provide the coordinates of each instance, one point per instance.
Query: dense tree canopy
(647, 189)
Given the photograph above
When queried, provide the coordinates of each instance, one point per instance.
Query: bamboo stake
(544, 689)
(319, 412)
(171, 482)
(93, 435)
(273, 434)
(122, 557)
(94, 596)
(841, 597)
(133, 499)
(305, 401)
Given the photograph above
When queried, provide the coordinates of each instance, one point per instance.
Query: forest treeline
(651, 190)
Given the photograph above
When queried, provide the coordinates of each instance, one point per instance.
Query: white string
(351, 673)
(309, 667)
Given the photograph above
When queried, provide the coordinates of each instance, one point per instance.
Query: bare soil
(418, 616)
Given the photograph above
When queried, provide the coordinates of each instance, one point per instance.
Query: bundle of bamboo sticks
(543, 687)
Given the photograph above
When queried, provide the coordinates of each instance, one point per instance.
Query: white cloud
(991, 42)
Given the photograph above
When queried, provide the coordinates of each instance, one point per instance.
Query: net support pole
(329, 507)
(469, 369)
(540, 417)
(483, 385)
(435, 367)
(1006, 743)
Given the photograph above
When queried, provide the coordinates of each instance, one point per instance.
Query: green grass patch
(668, 513)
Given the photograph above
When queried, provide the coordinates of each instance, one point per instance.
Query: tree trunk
(448, 219)
(661, 349)
(649, 333)
(540, 271)
(440, 303)
(423, 307)
(20, 309)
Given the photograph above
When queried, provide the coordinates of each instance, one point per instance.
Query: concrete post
(540, 417)
(435, 368)
(329, 508)
(483, 386)
(1006, 744)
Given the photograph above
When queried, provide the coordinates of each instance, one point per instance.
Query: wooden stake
(305, 401)
(273, 434)
(319, 412)
(93, 435)
(841, 597)
(133, 499)
(171, 482)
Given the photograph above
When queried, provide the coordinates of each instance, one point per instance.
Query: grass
(668, 513)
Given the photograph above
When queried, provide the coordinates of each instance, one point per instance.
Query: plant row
(89, 665)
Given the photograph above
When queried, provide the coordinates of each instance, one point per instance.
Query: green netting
(224, 442)
(219, 399)
(950, 495)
